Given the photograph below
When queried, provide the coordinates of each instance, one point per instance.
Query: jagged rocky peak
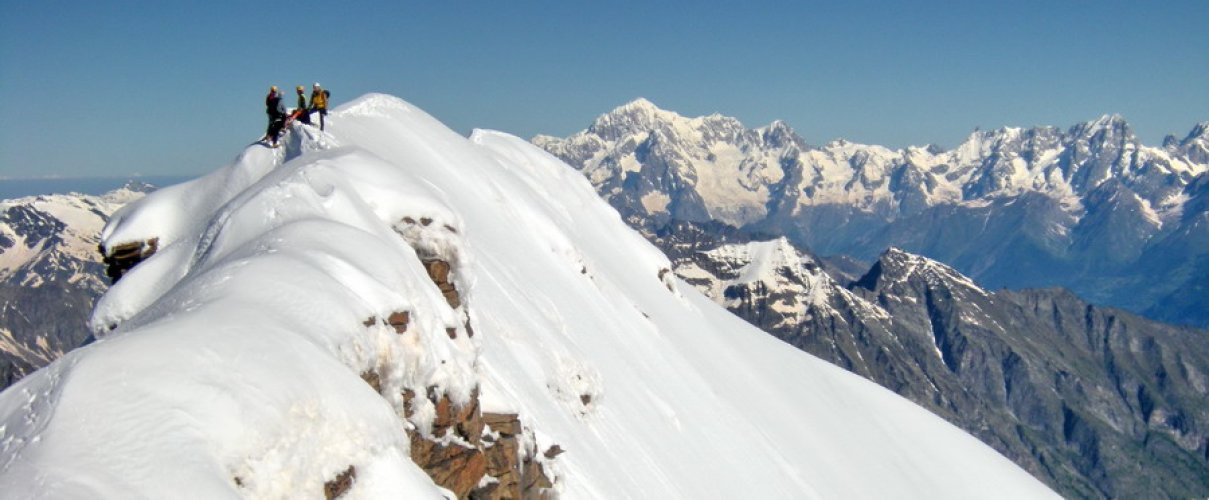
(779, 134)
(1199, 132)
(1007, 143)
(896, 266)
(1194, 146)
(1107, 129)
(33, 225)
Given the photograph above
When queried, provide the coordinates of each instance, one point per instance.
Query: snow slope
(235, 350)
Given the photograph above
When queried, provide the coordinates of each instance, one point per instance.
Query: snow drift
(227, 364)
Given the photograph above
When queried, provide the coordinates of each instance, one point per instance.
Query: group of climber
(279, 118)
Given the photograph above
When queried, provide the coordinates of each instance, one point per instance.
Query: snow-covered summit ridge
(228, 362)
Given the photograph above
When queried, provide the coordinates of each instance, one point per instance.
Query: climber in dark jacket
(276, 111)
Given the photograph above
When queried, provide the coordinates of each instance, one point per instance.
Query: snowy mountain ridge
(791, 284)
(727, 165)
(312, 313)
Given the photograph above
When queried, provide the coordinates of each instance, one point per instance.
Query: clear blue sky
(96, 88)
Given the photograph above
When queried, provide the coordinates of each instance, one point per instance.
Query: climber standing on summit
(304, 116)
(319, 102)
(277, 114)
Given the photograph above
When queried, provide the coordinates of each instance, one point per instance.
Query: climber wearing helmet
(304, 116)
(319, 102)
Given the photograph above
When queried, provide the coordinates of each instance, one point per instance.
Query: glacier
(229, 363)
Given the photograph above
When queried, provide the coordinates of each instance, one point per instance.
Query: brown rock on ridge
(399, 321)
(438, 270)
(338, 486)
(454, 467)
(120, 259)
(372, 378)
(503, 457)
(462, 465)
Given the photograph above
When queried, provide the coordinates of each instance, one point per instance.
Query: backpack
(327, 94)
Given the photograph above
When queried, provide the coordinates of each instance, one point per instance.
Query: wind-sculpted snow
(228, 362)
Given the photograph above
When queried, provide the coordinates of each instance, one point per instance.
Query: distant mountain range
(1089, 208)
(11, 189)
(50, 274)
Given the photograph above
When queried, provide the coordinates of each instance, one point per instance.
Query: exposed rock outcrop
(484, 456)
(340, 484)
(438, 270)
(121, 258)
(475, 454)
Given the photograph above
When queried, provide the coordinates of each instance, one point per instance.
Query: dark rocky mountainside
(1104, 402)
(1090, 208)
(1095, 401)
(50, 274)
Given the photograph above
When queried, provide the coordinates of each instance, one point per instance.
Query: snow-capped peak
(764, 259)
(640, 103)
(1107, 127)
(631, 118)
(779, 134)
